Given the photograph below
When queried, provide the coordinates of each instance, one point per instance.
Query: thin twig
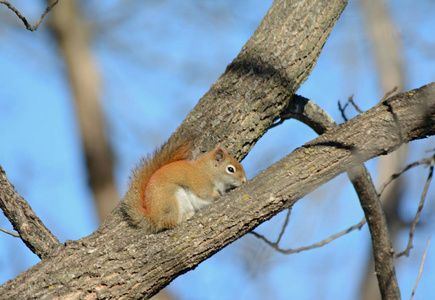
(425, 161)
(342, 109)
(284, 226)
(388, 94)
(275, 245)
(22, 18)
(421, 268)
(420, 208)
(350, 100)
(14, 234)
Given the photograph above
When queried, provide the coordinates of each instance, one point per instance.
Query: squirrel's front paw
(187, 215)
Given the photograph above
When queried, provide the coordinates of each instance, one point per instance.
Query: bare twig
(9, 232)
(421, 269)
(388, 94)
(275, 245)
(425, 161)
(22, 18)
(342, 109)
(284, 226)
(419, 209)
(350, 100)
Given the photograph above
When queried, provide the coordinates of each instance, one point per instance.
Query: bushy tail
(133, 203)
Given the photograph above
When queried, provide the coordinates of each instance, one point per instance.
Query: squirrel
(166, 188)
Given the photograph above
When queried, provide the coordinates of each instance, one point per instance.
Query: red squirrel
(166, 189)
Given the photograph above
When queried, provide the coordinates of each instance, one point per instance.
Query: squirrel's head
(229, 173)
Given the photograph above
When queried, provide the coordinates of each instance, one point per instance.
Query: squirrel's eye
(231, 169)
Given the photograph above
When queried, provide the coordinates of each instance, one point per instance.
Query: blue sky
(155, 66)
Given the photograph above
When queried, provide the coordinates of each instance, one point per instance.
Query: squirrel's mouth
(231, 187)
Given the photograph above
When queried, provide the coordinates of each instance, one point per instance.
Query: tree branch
(275, 245)
(31, 229)
(24, 20)
(311, 114)
(424, 161)
(419, 209)
(249, 97)
(118, 260)
(10, 232)
(423, 259)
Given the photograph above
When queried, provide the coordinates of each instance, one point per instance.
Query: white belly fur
(189, 203)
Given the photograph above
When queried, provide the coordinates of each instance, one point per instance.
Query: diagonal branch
(423, 259)
(30, 228)
(10, 232)
(248, 98)
(419, 209)
(275, 245)
(125, 263)
(424, 161)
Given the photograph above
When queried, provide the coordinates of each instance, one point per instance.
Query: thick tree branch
(256, 86)
(118, 260)
(32, 231)
(241, 106)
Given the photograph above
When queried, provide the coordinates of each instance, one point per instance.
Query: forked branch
(24, 20)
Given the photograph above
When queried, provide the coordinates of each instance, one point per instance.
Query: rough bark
(249, 97)
(32, 231)
(236, 111)
(118, 261)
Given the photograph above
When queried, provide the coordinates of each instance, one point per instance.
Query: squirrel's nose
(244, 179)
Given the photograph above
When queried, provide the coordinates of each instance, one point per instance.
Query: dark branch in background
(342, 109)
(22, 18)
(275, 245)
(420, 208)
(425, 161)
(284, 226)
(32, 231)
(314, 116)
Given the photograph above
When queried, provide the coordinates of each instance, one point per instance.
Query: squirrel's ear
(218, 156)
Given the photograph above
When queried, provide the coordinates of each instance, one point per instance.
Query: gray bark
(118, 261)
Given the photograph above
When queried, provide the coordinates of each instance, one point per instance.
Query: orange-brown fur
(156, 186)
